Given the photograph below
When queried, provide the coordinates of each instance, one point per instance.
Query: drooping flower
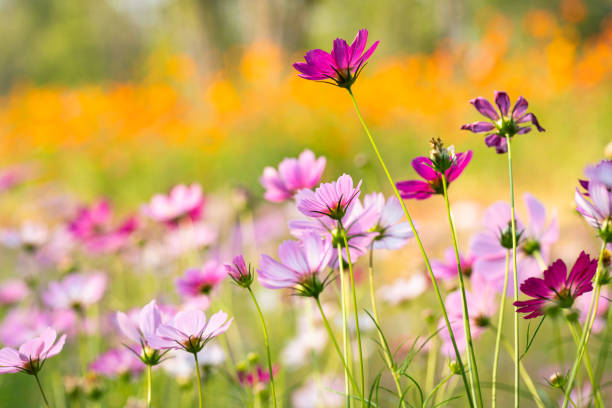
(76, 291)
(481, 305)
(190, 331)
(93, 227)
(329, 200)
(506, 123)
(447, 269)
(342, 66)
(201, 281)
(596, 208)
(32, 354)
(183, 202)
(448, 163)
(292, 176)
(117, 362)
(391, 234)
(240, 273)
(301, 267)
(557, 290)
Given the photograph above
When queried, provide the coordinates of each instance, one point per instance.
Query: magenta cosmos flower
(118, 362)
(183, 202)
(292, 175)
(93, 226)
(258, 377)
(300, 268)
(342, 66)
(240, 273)
(557, 290)
(329, 199)
(190, 331)
(32, 354)
(426, 168)
(596, 207)
(76, 291)
(502, 124)
(391, 234)
(201, 281)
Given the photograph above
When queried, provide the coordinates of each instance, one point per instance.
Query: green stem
(197, 369)
(437, 387)
(603, 352)
(472, 365)
(500, 325)
(388, 357)
(345, 334)
(355, 310)
(574, 329)
(148, 386)
(266, 342)
(515, 276)
(559, 344)
(526, 378)
(336, 346)
(586, 332)
(42, 392)
(421, 248)
(432, 361)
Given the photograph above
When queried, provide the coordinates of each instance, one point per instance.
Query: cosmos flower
(21, 324)
(12, 291)
(342, 66)
(329, 200)
(76, 291)
(391, 234)
(183, 202)
(32, 355)
(583, 304)
(257, 378)
(93, 227)
(447, 269)
(557, 289)
(240, 273)
(425, 168)
(596, 208)
(118, 362)
(201, 281)
(325, 392)
(403, 289)
(601, 172)
(189, 330)
(505, 123)
(301, 266)
(30, 236)
(292, 175)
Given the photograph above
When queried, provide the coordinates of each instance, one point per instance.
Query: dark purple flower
(424, 166)
(502, 124)
(557, 289)
(342, 66)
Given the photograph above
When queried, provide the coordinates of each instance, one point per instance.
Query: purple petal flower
(329, 199)
(502, 100)
(292, 175)
(183, 202)
(557, 289)
(601, 172)
(596, 207)
(32, 354)
(201, 281)
(342, 66)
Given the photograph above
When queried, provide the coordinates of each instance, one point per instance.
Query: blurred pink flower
(583, 304)
(12, 177)
(325, 392)
(329, 200)
(257, 378)
(76, 291)
(292, 175)
(118, 362)
(32, 354)
(93, 227)
(182, 202)
(391, 234)
(20, 324)
(447, 269)
(13, 291)
(403, 289)
(202, 280)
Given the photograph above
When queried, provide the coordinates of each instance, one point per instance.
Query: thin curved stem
(500, 325)
(586, 332)
(526, 378)
(42, 392)
(197, 370)
(472, 365)
(436, 388)
(355, 310)
(517, 383)
(388, 357)
(267, 344)
(422, 249)
(148, 386)
(345, 334)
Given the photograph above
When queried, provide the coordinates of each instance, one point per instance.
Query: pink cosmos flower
(596, 207)
(93, 226)
(201, 281)
(583, 304)
(76, 291)
(118, 362)
(240, 273)
(182, 202)
(557, 289)
(505, 123)
(447, 269)
(481, 304)
(300, 268)
(12, 291)
(424, 166)
(601, 172)
(190, 331)
(391, 234)
(257, 378)
(358, 222)
(32, 354)
(21, 324)
(292, 175)
(342, 66)
(329, 200)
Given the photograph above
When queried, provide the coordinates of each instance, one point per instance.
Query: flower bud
(557, 380)
(454, 367)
